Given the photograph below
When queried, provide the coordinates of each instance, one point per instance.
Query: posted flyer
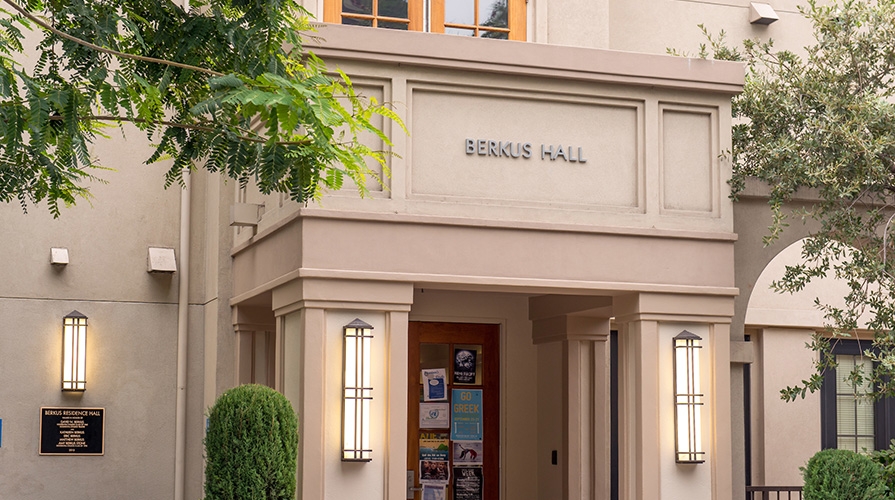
(464, 366)
(433, 385)
(434, 492)
(466, 416)
(468, 453)
(435, 471)
(434, 446)
(435, 415)
(468, 483)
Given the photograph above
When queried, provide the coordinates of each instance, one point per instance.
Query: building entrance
(453, 435)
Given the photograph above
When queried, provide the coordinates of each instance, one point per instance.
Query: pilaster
(586, 401)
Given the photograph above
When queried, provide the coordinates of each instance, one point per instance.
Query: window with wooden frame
(501, 19)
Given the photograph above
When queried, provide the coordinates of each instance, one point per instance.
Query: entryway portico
(556, 385)
(587, 270)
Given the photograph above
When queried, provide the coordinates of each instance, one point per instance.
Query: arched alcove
(784, 434)
(767, 307)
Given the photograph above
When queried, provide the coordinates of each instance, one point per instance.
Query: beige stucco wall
(310, 340)
(542, 95)
(663, 207)
(785, 435)
(132, 339)
(347, 479)
(133, 198)
(649, 26)
(550, 418)
(769, 307)
(693, 480)
(136, 391)
(654, 26)
(646, 396)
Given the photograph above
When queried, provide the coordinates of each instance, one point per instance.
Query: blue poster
(466, 414)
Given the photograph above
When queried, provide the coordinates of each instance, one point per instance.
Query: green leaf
(215, 86)
(230, 81)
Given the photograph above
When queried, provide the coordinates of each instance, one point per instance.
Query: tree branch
(21, 10)
(188, 126)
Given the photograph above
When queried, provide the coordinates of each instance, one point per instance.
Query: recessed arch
(767, 307)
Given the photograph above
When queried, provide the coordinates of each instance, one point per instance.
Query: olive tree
(824, 119)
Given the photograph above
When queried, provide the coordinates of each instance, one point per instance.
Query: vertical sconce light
(358, 392)
(74, 352)
(687, 399)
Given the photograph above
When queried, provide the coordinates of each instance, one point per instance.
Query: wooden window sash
(515, 20)
(332, 13)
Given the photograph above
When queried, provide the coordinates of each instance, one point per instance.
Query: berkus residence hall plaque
(71, 431)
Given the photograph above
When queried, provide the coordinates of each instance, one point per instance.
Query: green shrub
(842, 475)
(250, 446)
(886, 460)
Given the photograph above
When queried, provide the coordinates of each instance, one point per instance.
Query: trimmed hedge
(842, 475)
(250, 446)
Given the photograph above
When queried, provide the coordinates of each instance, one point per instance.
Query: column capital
(566, 327)
(324, 293)
(549, 306)
(252, 319)
(650, 306)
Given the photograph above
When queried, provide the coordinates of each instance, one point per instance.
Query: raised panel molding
(689, 169)
(515, 142)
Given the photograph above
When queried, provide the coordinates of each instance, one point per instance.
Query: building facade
(557, 215)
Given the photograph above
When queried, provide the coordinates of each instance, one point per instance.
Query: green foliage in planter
(250, 446)
(842, 475)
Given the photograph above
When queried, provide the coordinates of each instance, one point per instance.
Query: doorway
(453, 421)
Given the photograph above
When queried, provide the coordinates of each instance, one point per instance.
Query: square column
(639, 450)
(311, 314)
(586, 415)
(648, 324)
(255, 329)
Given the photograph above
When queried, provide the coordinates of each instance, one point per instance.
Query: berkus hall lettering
(524, 150)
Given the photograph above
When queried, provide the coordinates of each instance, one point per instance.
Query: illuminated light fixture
(358, 393)
(687, 399)
(74, 352)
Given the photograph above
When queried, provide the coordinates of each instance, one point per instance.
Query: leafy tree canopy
(825, 120)
(224, 85)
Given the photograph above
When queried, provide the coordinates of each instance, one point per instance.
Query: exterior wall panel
(689, 162)
(532, 149)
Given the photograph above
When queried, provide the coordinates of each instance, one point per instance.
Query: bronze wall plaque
(71, 431)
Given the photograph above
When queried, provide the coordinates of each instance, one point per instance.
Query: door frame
(499, 371)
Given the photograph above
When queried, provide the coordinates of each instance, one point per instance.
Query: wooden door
(469, 355)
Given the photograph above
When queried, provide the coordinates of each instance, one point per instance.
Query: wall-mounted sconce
(687, 399)
(358, 392)
(74, 352)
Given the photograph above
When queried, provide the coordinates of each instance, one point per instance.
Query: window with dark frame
(849, 421)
